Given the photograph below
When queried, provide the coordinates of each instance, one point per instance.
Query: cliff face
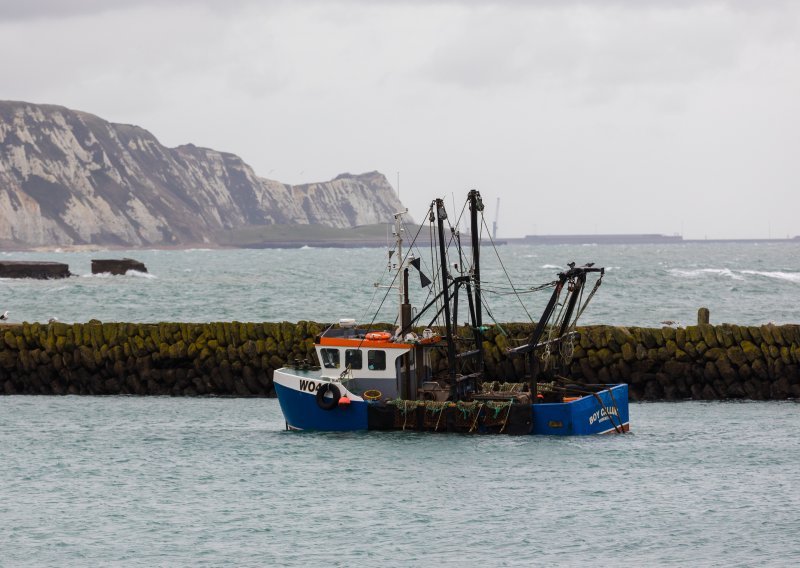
(69, 177)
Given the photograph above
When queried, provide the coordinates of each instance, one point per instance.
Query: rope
(508, 413)
(614, 402)
(477, 414)
(436, 428)
(441, 412)
(605, 412)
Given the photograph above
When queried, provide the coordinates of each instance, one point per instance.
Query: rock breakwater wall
(238, 359)
(179, 359)
(706, 362)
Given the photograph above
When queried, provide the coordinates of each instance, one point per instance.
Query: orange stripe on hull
(356, 343)
(625, 428)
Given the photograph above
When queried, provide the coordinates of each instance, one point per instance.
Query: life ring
(328, 403)
(372, 394)
(378, 336)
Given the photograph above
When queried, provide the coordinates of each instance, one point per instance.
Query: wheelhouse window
(376, 360)
(352, 358)
(330, 358)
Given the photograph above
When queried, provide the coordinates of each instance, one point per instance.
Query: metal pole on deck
(441, 215)
(408, 390)
(476, 205)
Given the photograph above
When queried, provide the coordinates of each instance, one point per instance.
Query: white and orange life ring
(378, 336)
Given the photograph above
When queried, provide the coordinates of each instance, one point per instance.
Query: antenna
(496, 215)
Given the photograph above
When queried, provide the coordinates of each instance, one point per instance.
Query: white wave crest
(139, 274)
(778, 275)
(133, 273)
(551, 266)
(696, 273)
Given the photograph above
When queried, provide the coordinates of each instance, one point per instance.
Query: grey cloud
(56, 9)
(47, 9)
(602, 50)
(53, 9)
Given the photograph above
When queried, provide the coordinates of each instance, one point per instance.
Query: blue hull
(585, 415)
(302, 412)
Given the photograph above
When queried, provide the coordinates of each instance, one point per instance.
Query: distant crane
(496, 215)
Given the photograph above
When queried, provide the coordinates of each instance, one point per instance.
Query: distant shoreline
(345, 243)
(625, 239)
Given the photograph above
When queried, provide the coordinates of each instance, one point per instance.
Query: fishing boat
(423, 372)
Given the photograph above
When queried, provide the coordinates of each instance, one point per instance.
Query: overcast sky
(581, 117)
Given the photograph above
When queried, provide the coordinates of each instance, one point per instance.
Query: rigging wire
(588, 299)
(503, 266)
(394, 279)
(374, 293)
(489, 313)
(515, 292)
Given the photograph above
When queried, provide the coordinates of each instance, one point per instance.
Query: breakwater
(705, 361)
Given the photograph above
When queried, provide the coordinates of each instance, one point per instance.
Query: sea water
(742, 283)
(123, 481)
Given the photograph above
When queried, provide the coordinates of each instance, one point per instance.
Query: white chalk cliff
(69, 177)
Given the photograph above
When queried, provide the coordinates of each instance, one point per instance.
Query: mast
(476, 205)
(441, 215)
(406, 388)
(402, 282)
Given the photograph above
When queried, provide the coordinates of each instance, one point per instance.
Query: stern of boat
(603, 413)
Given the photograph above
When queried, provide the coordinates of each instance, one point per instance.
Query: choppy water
(217, 482)
(209, 482)
(645, 284)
